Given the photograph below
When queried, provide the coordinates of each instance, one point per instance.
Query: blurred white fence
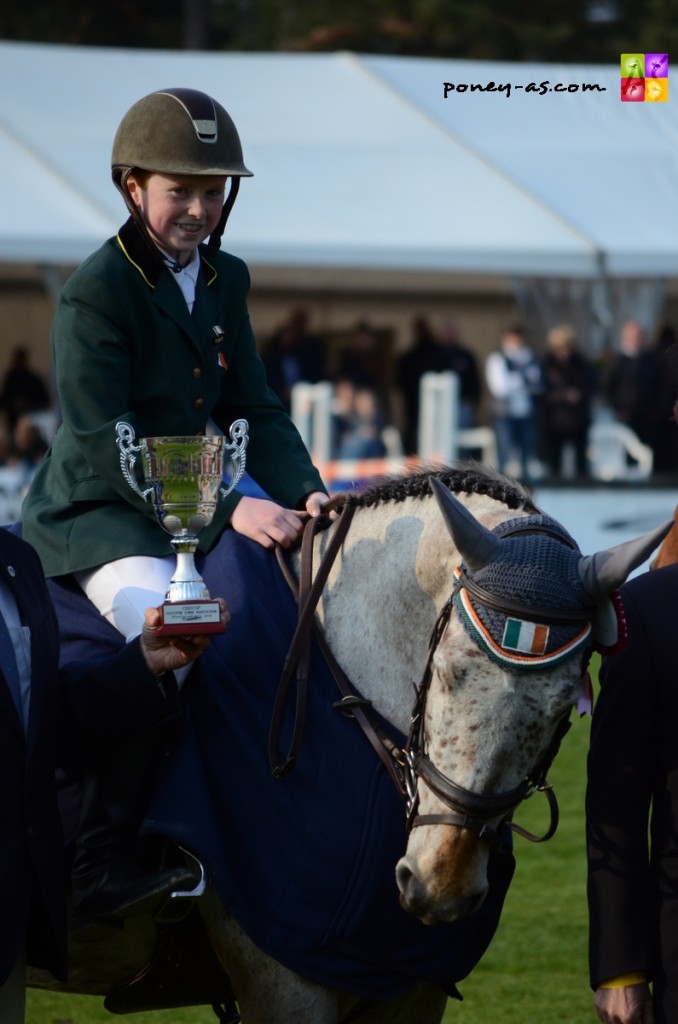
(13, 483)
(616, 453)
(440, 438)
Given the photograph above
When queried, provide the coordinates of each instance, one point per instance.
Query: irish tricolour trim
(517, 642)
(528, 637)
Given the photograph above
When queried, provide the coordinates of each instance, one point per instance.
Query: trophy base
(186, 617)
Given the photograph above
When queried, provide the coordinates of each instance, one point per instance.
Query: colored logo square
(633, 90)
(656, 90)
(633, 65)
(656, 65)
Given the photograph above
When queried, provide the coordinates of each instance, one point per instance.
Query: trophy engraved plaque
(184, 478)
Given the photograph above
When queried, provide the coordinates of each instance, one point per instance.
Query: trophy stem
(186, 583)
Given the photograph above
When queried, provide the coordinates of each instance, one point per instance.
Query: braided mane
(465, 478)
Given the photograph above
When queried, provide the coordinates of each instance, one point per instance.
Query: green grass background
(535, 971)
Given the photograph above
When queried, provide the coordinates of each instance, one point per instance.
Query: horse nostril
(474, 902)
(404, 877)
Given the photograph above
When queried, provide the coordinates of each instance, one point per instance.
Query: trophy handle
(125, 442)
(236, 451)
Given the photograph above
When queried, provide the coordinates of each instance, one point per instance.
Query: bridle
(469, 810)
(475, 811)
(409, 764)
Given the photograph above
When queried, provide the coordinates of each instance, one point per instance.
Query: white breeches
(122, 590)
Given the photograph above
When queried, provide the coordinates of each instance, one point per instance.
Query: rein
(298, 658)
(307, 594)
(411, 763)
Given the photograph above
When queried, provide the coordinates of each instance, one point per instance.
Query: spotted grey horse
(354, 752)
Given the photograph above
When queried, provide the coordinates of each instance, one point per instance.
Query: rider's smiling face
(180, 211)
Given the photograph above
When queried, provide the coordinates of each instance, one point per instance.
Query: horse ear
(477, 545)
(605, 572)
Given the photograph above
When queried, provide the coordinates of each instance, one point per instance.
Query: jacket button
(197, 373)
(198, 404)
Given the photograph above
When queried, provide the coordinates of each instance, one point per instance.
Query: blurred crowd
(539, 396)
(27, 416)
(374, 398)
(543, 406)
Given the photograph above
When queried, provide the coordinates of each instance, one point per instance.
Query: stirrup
(181, 901)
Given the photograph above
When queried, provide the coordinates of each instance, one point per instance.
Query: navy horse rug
(305, 863)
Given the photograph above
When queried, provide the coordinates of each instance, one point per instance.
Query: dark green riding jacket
(125, 347)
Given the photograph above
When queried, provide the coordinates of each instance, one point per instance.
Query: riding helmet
(178, 131)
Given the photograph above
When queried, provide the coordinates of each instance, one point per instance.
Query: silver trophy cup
(185, 481)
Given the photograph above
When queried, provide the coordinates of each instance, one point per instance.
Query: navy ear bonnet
(528, 607)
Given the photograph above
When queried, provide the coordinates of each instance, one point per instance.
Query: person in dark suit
(569, 384)
(153, 331)
(632, 814)
(44, 710)
(425, 355)
(631, 382)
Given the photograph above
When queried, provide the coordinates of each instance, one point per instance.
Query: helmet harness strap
(214, 240)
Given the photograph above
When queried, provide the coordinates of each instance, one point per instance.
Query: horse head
(507, 662)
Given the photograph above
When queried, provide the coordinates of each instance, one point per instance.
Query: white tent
(607, 168)
(351, 168)
(370, 163)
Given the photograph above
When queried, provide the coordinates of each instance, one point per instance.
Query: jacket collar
(143, 255)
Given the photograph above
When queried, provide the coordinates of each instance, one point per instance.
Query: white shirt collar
(186, 277)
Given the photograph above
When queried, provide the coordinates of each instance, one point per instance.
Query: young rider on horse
(153, 330)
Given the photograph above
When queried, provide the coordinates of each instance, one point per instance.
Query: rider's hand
(267, 523)
(315, 502)
(167, 653)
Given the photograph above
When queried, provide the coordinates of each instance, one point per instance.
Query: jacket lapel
(8, 574)
(166, 294)
(21, 570)
(208, 311)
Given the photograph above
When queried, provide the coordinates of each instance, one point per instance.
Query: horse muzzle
(443, 874)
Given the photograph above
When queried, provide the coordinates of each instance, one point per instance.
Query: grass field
(535, 970)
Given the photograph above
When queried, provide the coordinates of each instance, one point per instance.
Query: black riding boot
(110, 878)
